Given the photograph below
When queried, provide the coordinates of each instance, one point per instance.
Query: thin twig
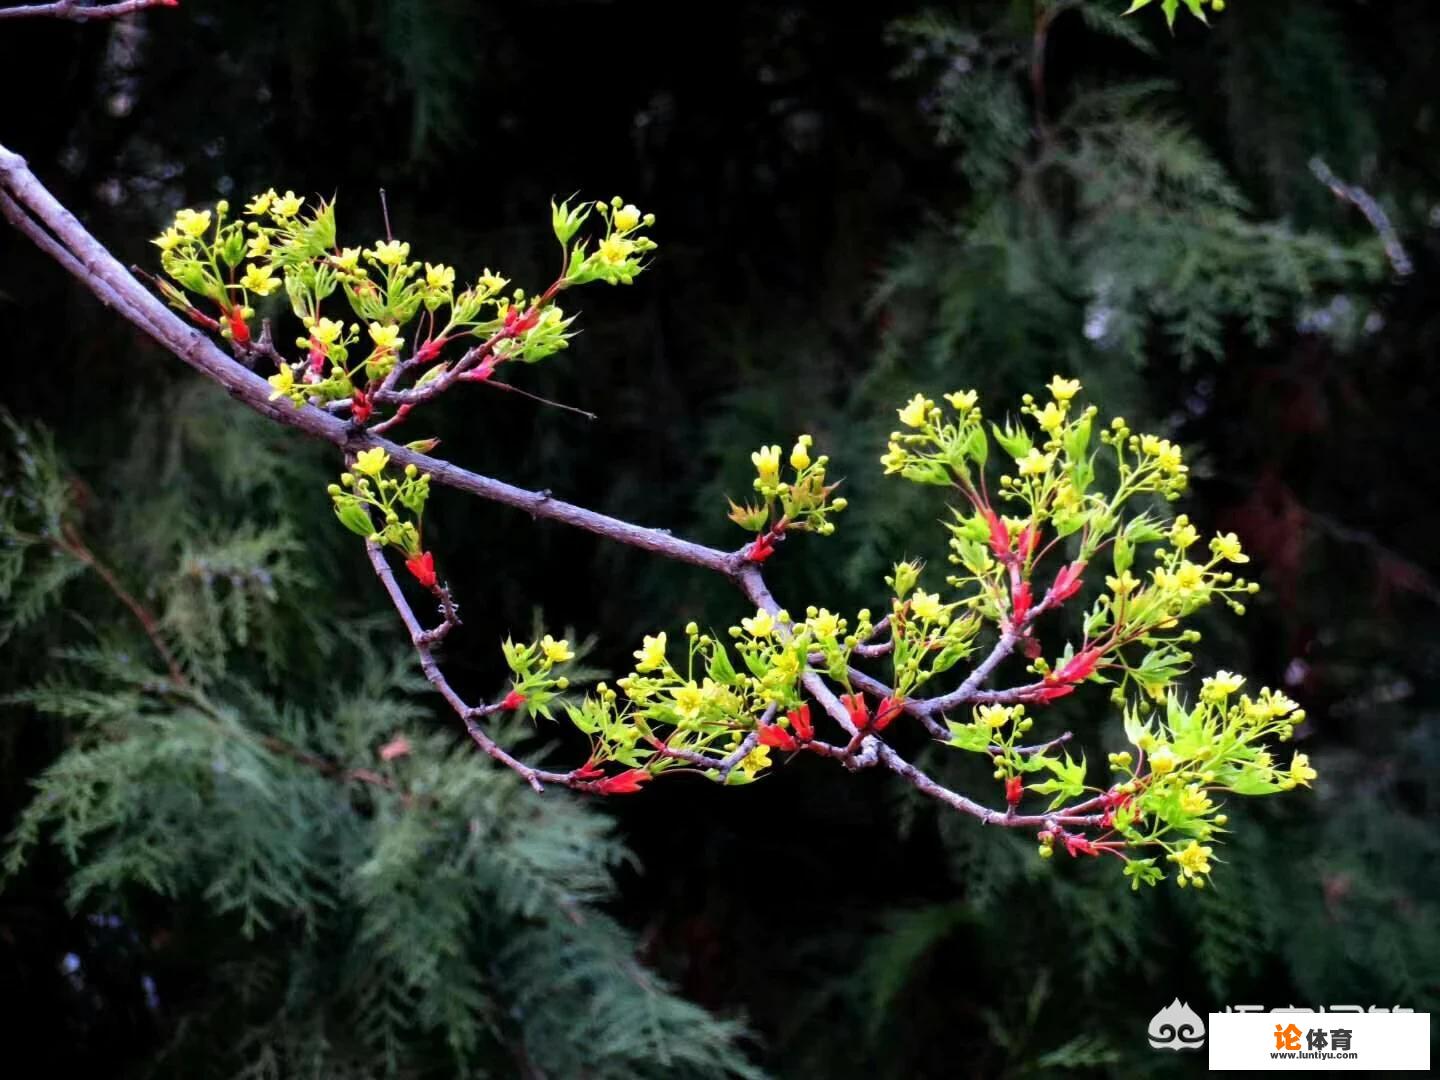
(1374, 213)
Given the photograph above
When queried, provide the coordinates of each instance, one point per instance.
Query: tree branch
(72, 11)
(26, 203)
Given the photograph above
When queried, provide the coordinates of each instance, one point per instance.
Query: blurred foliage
(845, 222)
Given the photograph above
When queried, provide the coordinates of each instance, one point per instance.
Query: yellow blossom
(994, 716)
(914, 414)
(615, 250)
(824, 624)
(439, 276)
(258, 245)
(762, 625)
(287, 205)
(767, 464)
(1064, 389)
(168, 239)
(627, 217)
(1162, 761)
(927, 606)
(491, 283)
(800, 454)
(283, 381)
(327, 331)
(1034, 463)
(894, 460)
(1051, 417)
(259, 280)
(193, 223)
(962, 401)
(1189, 576)
(1194, 861)
(651, 654)
(1227, 546)
(1195, 801)
(1183, 534)
(386, 338)
(372, 462)
(1123, 584)
(557, 652)
(688, 700)
(1300, 770)
(1219, 686)
(260, 204)
(347, 260)
(756, 761)
(391, 252)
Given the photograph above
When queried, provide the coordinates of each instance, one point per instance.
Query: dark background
(818, 175)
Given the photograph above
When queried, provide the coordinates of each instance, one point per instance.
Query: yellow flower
(962, 401)
(994, 716)
(1195, 801)
(688, 700)
(283, 381)
(557, 652)
(1227, 546)
(1123, 584)
(615, 250)
(1189, 576)
(168, 239)
(762, 625)
(193, 223)
(260, 203)
(627, 217)
(914, 414)
(767, 464)
(347, 260)
(287, 205)
(800, 454)
(327, 331)
(927, 606)
(439, 276)
(1064, 389)
(491, 283)
(372, 462)
(1219, 686)
(258, 245)
(391, 252)
(1182, 533)
(1051, 417)
(1168, 457)
(651, 654)
(1034, 463)
(1300, 770)
(260, 280)
(386, 338)
(1194, 861)
(756, 761)
(824, 624)
(1162, 761)
(893, 461)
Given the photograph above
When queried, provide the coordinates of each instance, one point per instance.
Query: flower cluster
(538, 670)
(385, 510)
(384, 347)
(1164, 795)
(1132, 634)
(800, 504)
